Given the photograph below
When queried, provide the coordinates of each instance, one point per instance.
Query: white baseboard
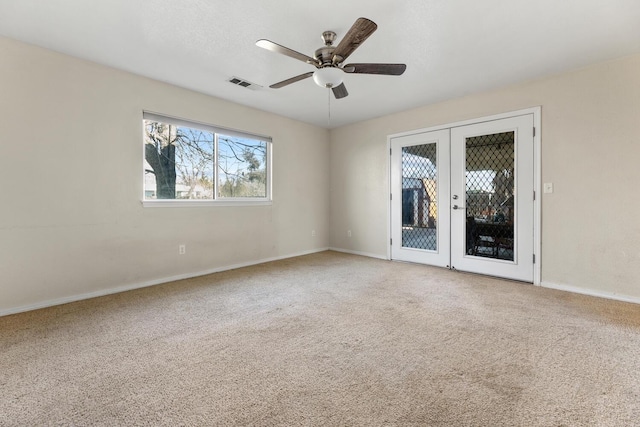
(104, 292)
(100, 293)
(591, 292)
(566, 288)
(367, 254)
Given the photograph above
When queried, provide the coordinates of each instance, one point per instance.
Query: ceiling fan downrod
(324, 55)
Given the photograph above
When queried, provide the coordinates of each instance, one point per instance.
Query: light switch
(548, 187)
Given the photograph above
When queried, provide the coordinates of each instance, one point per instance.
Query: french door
(462, 198)
(420, 172)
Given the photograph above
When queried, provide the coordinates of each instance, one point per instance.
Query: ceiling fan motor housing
(324, 55)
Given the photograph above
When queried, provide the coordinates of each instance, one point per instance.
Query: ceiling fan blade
(357, 34)
(340, 91)
(291, 80)
(387, 69)
(275, 47)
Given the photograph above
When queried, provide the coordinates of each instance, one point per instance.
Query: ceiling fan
(329, 59)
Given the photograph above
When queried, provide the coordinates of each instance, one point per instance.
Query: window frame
(216, 200)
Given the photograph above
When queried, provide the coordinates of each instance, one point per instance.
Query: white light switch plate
(548, 187)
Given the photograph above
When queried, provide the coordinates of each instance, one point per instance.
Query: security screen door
(462, 198)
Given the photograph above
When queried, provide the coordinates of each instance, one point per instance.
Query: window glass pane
(194, 164)
(490, 195)
(242, 167)
(420, 197)
(178, 162)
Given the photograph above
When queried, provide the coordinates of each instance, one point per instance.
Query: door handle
(456, 207)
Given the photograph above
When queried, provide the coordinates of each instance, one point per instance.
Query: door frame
(537, 168)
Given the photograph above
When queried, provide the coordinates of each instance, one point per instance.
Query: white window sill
(203, 203)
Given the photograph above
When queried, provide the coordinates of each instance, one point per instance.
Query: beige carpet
(323, 340)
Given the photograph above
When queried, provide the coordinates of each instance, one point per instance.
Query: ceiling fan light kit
(329, 59)
(328, 77)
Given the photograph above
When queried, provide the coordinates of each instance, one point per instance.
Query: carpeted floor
(325, 340)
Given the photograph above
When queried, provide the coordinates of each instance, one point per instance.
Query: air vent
(241, 82)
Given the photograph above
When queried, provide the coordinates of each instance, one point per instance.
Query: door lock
(456, 207)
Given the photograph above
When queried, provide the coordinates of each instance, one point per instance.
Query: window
(194, 163)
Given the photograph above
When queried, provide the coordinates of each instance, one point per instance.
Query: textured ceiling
(451, 47)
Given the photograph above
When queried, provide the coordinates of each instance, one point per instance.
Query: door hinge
(534, 131)
(390, 150)
(391, 242)
(534, 258)
(534, 195)
(390, 196)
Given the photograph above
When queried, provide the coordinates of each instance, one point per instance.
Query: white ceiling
(451, 47)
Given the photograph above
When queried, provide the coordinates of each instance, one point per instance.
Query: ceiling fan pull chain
(329, 107)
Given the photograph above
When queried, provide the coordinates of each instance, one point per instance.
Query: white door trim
(537, 168)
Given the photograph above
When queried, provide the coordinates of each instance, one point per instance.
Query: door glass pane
(489, 183)
(419, 197)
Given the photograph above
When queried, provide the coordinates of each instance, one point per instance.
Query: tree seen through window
(180, 163)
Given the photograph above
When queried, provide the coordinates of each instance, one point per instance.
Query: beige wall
(71, 221)
(590, 151)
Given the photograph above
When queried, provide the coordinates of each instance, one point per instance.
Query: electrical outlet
(182, 249)
(348, 233)
(313, 233)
